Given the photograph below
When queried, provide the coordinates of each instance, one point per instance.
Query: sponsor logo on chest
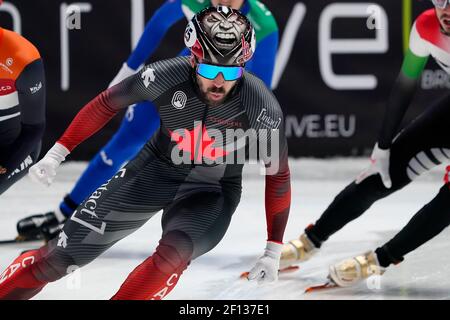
(229, 123)
(267, 121)
(36, 88)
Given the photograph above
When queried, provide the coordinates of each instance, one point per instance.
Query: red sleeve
(278, 201)
(447, 176)
(88, 121)
(100, 110)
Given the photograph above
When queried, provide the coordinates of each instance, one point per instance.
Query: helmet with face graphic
(221, 35)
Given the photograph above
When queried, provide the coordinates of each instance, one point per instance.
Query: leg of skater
(112, 212)
(417, 149)
(427, 223)
(428, 137)
(431, 220)
(191, 227)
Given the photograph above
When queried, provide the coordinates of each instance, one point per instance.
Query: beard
(214, 103)
(210, 102)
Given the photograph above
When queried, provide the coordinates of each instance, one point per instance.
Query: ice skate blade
(327, 285)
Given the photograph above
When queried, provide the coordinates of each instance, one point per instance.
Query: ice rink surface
(423, 275)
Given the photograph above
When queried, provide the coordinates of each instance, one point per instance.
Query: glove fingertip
(387, 181)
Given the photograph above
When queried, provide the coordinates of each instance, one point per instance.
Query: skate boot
(39, 227)
(297, 251)
(351, 271)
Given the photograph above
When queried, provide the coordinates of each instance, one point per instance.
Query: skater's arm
(278, 201)
(162, 20)
(31, 92)
(404, 88)
(266, 117)
(87, 122)
(278, 184)
(98, 112)
(148, 84)
(400, 98)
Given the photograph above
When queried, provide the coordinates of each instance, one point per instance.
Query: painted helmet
(221, 35)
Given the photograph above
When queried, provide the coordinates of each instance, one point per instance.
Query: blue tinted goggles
(210, 71)
(441, 4)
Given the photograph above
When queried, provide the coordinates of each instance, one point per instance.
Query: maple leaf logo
(198, 143)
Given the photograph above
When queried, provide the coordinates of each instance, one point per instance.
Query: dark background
(104, 43)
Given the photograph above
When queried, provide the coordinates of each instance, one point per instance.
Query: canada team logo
(198, 144)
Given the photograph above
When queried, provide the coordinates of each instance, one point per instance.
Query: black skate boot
(39, 227)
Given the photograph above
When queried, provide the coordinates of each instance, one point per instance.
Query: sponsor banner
(336, 64)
